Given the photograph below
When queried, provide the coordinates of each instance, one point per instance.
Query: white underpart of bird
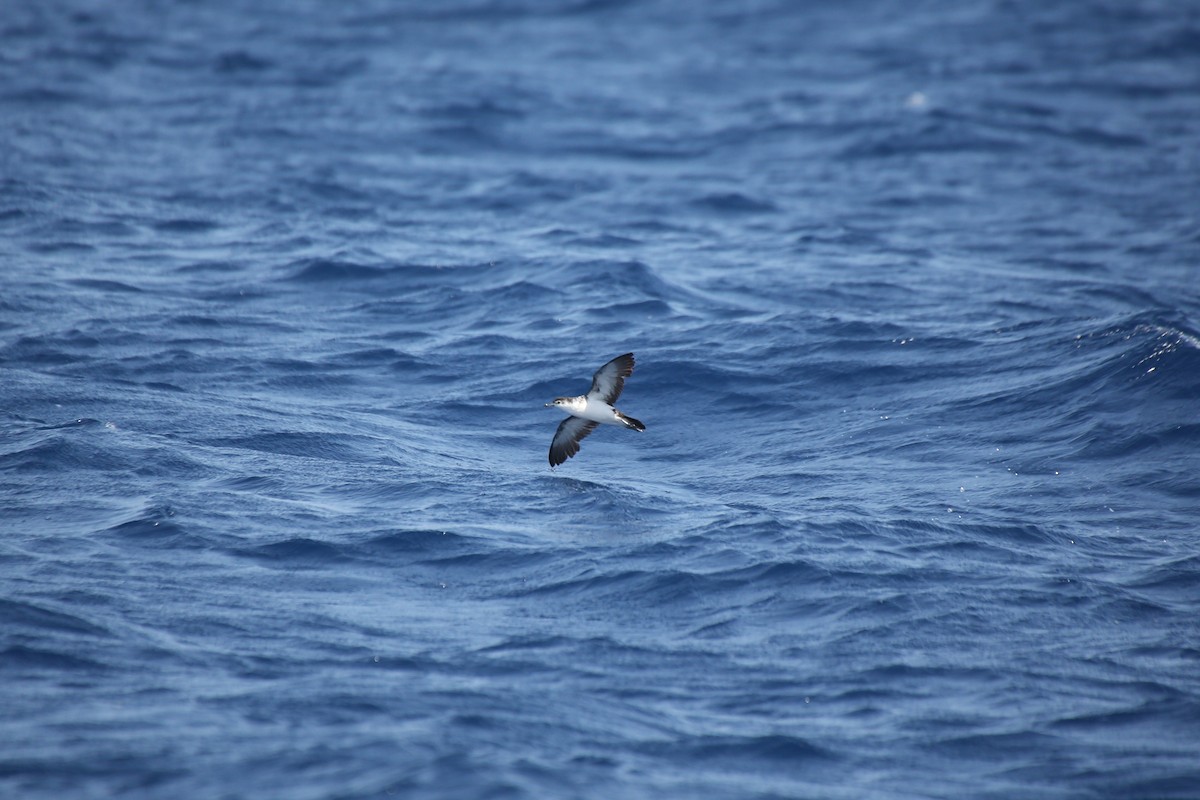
(592, 409)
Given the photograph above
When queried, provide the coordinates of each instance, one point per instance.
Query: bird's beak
(549, 405)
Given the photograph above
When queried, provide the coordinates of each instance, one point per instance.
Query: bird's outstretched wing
(570, 433)
(609, 380)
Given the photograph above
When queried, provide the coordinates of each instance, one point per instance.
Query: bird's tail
(630, 422)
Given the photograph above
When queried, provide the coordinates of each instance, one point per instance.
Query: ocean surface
(914, 290)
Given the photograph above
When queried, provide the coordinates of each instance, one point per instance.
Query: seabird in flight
(589, 410)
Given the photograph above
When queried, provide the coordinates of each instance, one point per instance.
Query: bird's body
(592, 409)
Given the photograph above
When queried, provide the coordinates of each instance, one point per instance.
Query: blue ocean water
(914, 290)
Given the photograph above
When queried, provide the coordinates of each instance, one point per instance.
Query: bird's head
(559, 402)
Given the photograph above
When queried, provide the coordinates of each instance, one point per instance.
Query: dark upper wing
(567, 438)
(609, 380)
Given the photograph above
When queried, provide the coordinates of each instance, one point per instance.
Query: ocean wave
(286, 290)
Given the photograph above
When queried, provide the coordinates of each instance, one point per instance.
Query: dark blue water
(914, 290)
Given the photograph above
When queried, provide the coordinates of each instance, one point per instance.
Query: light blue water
(914, 294)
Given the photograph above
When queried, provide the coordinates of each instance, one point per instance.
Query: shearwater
(591, 409)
